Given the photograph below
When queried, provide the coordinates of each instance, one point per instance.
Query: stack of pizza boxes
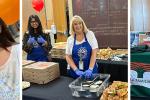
(41, 72)
(58, 51)
(27, 62)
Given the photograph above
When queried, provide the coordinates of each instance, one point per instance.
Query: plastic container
(78, 90)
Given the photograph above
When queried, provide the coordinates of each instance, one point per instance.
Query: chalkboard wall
(108, 19)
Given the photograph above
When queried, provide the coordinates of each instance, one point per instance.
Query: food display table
(55, 90)
(117, 69)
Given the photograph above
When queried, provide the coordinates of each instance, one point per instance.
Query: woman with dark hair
(9, 67)
(36, 43)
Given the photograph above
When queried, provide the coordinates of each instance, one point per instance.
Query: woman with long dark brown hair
(36, 43)
(9, 65)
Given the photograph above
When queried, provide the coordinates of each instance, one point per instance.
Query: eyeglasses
(33, 21)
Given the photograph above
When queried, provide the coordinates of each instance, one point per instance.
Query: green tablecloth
(143, 57)
(138, 90)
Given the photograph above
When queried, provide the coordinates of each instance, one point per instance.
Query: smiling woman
(9, 67)
(81, 50)
(36, 43)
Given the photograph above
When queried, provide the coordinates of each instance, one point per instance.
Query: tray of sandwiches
(117, 91)
(110, 54)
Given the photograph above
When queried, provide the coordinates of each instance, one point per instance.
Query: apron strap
(85, 37)
(75, 38)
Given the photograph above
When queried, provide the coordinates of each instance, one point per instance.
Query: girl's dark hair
(6, 38)
(31, 29)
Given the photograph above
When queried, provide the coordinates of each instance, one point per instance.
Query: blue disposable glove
(41, 40)
(88, 73)
(78, 72)
(31, 40)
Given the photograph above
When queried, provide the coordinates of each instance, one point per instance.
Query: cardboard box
(41, 72)
(27, 62)
(58, 51)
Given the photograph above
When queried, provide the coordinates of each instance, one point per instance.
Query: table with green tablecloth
(138, 89)
(143, 57)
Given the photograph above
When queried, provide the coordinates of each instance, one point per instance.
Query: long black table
(117, 69)
(55, 90)
(140, 98)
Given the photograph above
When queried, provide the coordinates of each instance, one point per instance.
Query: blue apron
(38, 53)
(86, 50)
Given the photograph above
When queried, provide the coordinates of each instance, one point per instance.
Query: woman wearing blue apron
(81, 50)
(36, 43)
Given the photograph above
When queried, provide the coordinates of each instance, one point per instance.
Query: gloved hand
(41, 40)
(88, 73)
(78, 72)
(31, 40)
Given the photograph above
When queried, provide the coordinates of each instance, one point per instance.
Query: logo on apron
(36, 45)
(82, 52)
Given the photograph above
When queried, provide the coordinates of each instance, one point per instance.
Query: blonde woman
(9, 65)
(81, 49)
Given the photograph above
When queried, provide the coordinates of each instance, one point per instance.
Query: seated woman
(36, 43)
(9, 65)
